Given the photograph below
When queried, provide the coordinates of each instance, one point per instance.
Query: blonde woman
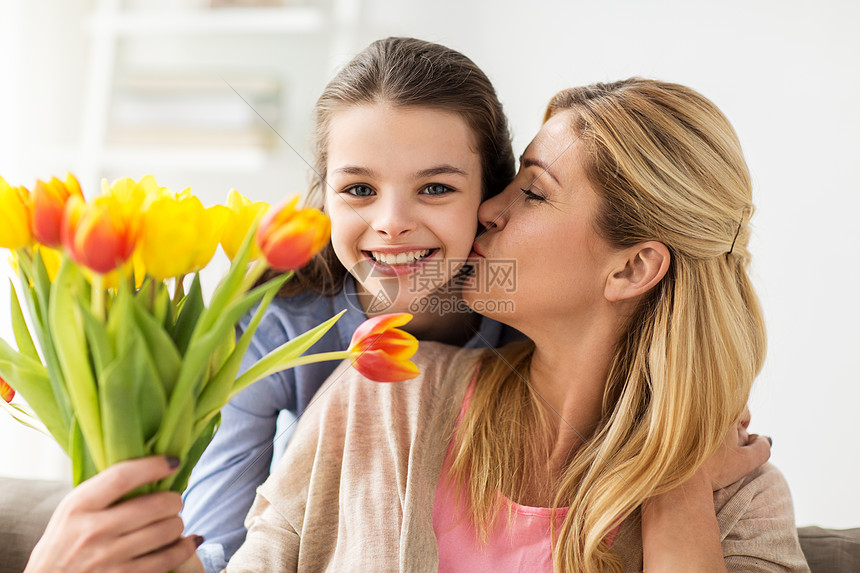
(615, 439)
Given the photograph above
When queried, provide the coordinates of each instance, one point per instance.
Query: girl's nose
(394, 218)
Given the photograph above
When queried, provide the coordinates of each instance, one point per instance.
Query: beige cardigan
(355, 488)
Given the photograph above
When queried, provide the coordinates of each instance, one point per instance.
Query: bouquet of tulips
(118, 360)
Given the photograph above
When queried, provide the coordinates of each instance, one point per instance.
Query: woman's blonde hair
(667, 166)
(405, 72)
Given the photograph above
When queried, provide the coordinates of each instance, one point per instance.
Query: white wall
(788, 76)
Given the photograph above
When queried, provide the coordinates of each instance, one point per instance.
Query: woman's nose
(394, 218)
(493, 213)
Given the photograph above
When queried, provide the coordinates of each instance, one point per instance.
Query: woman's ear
(640, 268)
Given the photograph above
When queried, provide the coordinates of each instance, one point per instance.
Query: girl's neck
(455, 328)
(449, 326)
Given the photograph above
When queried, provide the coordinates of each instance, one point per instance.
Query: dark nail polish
(198, 540)
(769, 440)
(172, 462)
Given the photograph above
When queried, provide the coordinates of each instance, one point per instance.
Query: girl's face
(404, 186)
(544, 221)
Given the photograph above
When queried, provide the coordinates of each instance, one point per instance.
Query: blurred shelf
(185, 159)
(221, 21)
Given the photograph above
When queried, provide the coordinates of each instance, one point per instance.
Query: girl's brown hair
(405, 72)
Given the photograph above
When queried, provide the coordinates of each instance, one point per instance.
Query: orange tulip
(49, 202)
(6, 391)
(290, 237)
(98, 235)
(381, 352)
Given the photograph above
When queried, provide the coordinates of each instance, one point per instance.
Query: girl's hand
(740, 454)
(91, 532)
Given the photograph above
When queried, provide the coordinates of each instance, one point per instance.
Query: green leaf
(215, 394)
(166, 357)
(83, 467)
(160, 307)
(25, 417)
(99, 341)
(30, 379)
(179, 481)
(194, 365)
(19, 327)
(190, 309)
(118, 385)
(37, 300)
(66, 326)
(276, 360)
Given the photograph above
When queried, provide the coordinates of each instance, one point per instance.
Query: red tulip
(98, 235)
(290, 237)
(381, 352)
(6, 391)
(49, 202)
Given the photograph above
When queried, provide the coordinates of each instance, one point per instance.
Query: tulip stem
(254, 274)
(97, 296)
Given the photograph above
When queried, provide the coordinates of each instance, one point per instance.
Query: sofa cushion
(26, 506)
(831, 550)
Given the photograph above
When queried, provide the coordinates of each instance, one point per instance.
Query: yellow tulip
(178, 236)
(14, 216)
(241, 214)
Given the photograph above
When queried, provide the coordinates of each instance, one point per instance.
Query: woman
(606, 442)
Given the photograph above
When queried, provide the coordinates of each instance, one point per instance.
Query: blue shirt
(223, 484)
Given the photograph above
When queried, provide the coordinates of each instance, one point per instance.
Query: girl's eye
(436, 189)
(359, 191)
(531, 196)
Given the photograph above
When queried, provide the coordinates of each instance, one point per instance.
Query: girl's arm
(680, 531)
(92, 531)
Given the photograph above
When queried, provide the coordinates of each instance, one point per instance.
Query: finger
(757, 450)
(141, 511)
(167, 558)
(150, 538)
(105, 488)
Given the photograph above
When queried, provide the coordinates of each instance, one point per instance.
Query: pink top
(521, 544)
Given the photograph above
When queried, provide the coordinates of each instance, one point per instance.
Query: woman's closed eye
(531, 196)
(436, 190)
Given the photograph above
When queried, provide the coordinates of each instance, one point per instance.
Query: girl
(409, 138)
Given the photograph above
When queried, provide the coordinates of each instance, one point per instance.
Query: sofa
(26, 506)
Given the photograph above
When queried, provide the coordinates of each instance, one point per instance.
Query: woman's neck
(569, 373)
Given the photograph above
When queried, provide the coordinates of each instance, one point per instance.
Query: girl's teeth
(400, 258)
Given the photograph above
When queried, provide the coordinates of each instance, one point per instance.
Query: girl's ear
(640, 268)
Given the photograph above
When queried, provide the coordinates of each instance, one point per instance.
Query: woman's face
(404, 185)
(540, 258)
